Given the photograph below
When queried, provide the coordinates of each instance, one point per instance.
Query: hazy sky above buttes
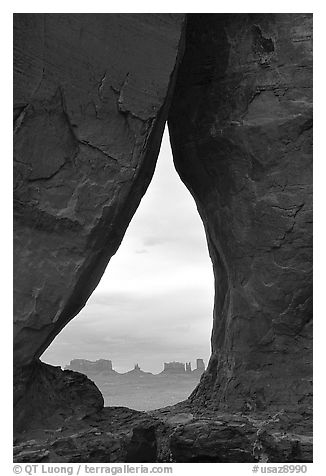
(154, 302)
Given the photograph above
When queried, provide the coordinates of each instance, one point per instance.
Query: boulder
(45, 397)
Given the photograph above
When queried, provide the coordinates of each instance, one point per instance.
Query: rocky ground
(172, 434)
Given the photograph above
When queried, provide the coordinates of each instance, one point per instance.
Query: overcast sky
(154, 303)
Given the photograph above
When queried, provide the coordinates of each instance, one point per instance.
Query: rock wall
(241, 132)
(91, 97)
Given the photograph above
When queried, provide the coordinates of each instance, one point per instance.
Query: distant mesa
(174, 367)
(103, 366)
(181, 368)
(87, 366)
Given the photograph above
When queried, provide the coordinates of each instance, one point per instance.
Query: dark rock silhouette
(91, 97)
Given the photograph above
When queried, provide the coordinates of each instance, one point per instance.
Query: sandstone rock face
(241, 132)
(91, 98)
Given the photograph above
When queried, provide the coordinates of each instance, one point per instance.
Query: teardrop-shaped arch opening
(153, 305)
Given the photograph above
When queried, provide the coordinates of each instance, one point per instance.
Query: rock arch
(92, 95)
